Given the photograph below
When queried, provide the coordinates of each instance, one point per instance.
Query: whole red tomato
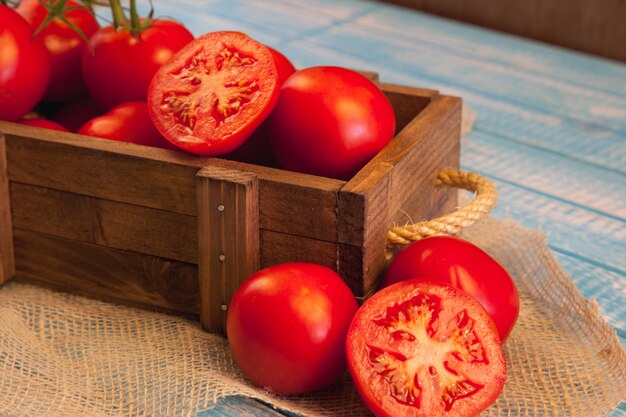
(24, 66)
(287, 325)
(419, 349)
(214, 93)
(128, 122)
(122, 66)
(258, 148)
(330, 121)
(459, 263)
(45, 123)
(63, 43)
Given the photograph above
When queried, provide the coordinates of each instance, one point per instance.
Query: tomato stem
(119, 18)
(57, 11)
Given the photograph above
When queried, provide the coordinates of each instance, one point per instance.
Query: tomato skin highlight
(64, 46)
(24, 66)
(287, 325)
(214, 93)
(418, 349)
(330, 121)
(128, 122)
(457, 262)
(121, 67)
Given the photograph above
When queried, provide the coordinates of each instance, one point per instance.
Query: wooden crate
(177, 232)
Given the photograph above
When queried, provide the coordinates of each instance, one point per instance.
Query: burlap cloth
(64, 355)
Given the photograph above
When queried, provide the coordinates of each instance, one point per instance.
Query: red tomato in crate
(287, 325)
(258, 148)
(74, 114)
(457, 262)
(214, 93)
(128, 122)
(63, 44)
(121, 66)
(330, 121)
(420, 349)
(47, 124)
(24, 66)
(283, 65)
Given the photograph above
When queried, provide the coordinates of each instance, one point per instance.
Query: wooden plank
(554, 21)
(163, 179)
(107, 223)
(398, 186)
(106, 273)
(279, 248)
(7, 256)
(228, 239)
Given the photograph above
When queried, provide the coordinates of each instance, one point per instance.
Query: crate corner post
(7, 253)
(228, 239)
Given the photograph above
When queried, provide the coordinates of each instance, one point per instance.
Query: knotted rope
(485, 198)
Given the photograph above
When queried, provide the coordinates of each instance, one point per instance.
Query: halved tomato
(424, 349)
(211, 96)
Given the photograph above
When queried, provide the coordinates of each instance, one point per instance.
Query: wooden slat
(163, 179)
(398, 186)
(7, 257)
(279, 248)
(106, 273)
(228, 239)
(107, 223)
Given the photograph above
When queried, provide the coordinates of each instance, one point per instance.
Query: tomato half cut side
(425, 349)
(211, 96)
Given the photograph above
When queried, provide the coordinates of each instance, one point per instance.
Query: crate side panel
(103, 222)
(107, 273)
(291, 203)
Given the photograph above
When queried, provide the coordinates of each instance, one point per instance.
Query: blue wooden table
(550, 127)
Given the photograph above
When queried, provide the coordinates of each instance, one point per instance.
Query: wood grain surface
(595, 27)
(7, 256)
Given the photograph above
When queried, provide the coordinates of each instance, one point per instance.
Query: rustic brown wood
(103, 222)
(278, 248)
(398, 186)
(106, 273)
(595, 27)
(228, 239)
(162, 179)
(7, 257)
(407, 102)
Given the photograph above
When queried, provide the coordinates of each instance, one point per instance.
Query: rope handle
(485, 198)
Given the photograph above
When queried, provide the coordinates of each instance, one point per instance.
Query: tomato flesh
(421, 349)
(214, 93)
